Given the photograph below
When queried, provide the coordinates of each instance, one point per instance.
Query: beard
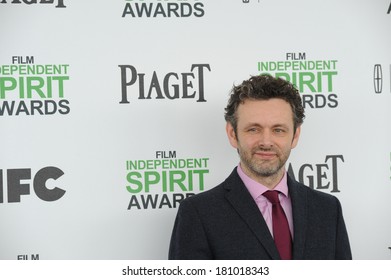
(263, 168)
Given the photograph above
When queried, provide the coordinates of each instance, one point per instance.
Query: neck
(270, 181)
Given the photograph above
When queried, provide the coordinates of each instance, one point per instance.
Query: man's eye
(279, 130)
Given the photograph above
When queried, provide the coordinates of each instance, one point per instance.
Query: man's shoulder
(312, 194)
(215, 193)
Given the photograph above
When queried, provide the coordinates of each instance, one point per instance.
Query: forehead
(265, 112)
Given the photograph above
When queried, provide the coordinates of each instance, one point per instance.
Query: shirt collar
(256, 189)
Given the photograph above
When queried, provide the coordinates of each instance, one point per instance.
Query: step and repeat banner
(111, 113)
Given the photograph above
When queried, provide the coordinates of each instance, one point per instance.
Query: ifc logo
(15, 188)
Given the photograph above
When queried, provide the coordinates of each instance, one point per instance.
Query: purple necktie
(281, 233)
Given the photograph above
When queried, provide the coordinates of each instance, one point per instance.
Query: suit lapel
(298, 195)
(245, 206)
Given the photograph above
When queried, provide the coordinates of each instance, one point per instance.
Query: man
(239, 219)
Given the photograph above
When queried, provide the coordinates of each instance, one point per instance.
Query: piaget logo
(321, 176)
(58, 3)
(171, 86)
(163, 8)
(31, 89)
(313, 78)
(165, 181)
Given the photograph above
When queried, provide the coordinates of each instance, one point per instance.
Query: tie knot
(272, 196)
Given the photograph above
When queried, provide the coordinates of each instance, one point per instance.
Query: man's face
(265, 136)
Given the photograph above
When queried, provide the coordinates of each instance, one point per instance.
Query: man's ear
(231, 135)
(296, 136)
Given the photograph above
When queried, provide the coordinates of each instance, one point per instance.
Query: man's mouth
(265, 155)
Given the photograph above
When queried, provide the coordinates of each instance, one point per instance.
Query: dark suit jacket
(225, 223)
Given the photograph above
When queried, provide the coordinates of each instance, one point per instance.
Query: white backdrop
(145, 81)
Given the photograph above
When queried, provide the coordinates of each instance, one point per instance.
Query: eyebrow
(275, 125)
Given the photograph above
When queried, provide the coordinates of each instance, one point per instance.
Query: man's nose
(265, 139)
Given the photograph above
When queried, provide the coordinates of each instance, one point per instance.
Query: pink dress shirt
(265, 207)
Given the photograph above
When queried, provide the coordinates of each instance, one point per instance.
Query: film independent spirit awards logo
(314, 79)
(30, 89)
(163, 9)
(163, 182)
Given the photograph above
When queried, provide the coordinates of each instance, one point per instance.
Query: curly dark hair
(264, 87)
